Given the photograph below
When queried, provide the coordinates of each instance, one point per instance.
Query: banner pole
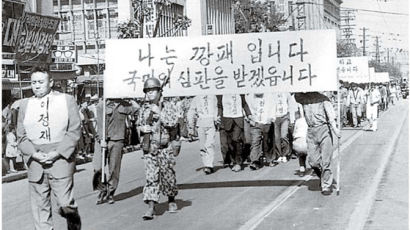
(338, 139)
(103, 139)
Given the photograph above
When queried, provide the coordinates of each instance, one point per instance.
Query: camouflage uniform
(160, 160)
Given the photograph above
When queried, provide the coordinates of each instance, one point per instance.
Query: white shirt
(205, 108)
(281, 101)
(262, 107)
(232, 105)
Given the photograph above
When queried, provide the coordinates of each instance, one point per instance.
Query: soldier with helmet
(161, 144)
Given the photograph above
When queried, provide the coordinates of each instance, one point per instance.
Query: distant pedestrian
(355, 100)
(11, 150)
(48, 130)
(322, 133)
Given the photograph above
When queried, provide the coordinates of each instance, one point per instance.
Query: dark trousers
(231, 144)
(114, 164)
(261, 142)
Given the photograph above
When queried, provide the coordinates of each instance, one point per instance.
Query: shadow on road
(313, 185)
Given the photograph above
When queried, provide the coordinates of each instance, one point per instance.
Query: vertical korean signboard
(223, 64)
(11, 13)
(35, 38)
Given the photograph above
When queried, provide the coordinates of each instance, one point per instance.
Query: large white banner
(353, 69)
(223, 64)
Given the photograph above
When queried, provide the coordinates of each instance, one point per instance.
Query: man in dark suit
(230, 109)
(48, 130)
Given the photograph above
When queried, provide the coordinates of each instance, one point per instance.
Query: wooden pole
(338, 140)
(103, 149)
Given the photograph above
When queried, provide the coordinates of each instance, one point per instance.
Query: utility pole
(364, 40)
(377, 50)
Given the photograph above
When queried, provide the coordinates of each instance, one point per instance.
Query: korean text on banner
(299, 61)
(353, 69)
(35, 38)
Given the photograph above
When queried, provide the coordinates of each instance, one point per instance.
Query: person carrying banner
(204, 109)
(322, 130)
(373, 100)
(117, 111)
(160, 137)
(263, 115)
(230, 109)
(355, 100)
(48, 130)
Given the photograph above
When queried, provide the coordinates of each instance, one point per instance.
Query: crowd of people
(255, 130)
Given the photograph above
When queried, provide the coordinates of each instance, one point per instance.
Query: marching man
(373, 101)
(48, 131)
(322, 133)
(161, 144)
(204, 107)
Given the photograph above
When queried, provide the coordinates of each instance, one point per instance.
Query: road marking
(359, 216)
(258, 218)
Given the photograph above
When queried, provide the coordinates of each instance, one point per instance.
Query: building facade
(309, 15)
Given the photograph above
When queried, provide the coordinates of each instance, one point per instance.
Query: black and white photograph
(205, 114)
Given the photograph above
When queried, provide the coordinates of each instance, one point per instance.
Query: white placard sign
(382, 77)
(223, 64)
(353, 69)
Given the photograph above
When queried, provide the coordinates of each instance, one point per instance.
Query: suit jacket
(63, 166)
(227, 122)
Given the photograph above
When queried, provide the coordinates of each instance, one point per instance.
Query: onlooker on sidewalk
(11, 150)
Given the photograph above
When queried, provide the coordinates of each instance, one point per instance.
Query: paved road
(270, 198)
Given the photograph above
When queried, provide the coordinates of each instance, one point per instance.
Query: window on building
(55, 2)
(112, 3)
(90, 24)
(113, 15)
(102, 23)
(89, 4)
(65, 4)
(90, 47)
(78, 25)
(281, 6)
(76, 4)
(65, 22)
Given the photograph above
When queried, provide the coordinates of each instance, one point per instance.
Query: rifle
(147, 136)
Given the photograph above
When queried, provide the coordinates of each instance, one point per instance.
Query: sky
(393, 30)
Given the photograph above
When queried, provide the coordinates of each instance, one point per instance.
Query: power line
(359, 9)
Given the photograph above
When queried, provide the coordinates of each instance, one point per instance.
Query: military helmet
(151, 83)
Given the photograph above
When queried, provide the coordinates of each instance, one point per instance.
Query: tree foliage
(142, 14)
(345, 49)
(255, 16)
